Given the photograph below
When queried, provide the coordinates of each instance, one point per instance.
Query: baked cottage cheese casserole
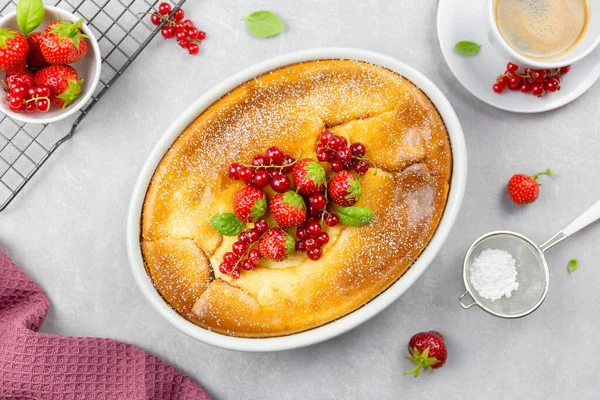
(389, 210)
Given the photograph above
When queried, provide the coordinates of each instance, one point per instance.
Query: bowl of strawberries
(49, 61)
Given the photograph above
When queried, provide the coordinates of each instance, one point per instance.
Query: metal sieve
(532, 269)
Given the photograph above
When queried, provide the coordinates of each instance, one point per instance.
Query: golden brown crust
(405, 136)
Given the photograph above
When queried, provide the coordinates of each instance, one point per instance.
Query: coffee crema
(541, 28)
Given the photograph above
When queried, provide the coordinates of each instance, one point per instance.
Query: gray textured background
(66, 229)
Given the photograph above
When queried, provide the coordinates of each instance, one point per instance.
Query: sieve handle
(590, 215)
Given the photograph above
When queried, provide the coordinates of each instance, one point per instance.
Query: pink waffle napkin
(40, 366)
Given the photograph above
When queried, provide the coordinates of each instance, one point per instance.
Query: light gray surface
(66, 229)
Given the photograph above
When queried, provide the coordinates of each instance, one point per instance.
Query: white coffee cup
(584, 46)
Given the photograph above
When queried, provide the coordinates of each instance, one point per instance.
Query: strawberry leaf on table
(30, 14)
(227, 224)
(467, 48)
(573, 265)
(355, 216)
(264, 24)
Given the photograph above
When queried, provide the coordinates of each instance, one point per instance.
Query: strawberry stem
(546, 172)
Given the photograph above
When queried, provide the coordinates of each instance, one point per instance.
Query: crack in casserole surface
(405, 137)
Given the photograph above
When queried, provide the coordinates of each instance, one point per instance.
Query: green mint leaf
(227, 224)
(30, 14)
(467, 48)
(259, 208)
(264, 24)
(573, 265)
(355, 216)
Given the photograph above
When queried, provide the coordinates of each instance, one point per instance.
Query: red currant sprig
(188, 35)
(30, 99)
(334, 149)
(311, 238)
(242, 255)
(534, 81)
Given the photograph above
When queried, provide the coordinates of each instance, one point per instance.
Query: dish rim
(366, 311)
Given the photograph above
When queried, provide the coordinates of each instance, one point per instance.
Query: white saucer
(465, 20)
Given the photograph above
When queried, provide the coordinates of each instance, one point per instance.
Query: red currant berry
(245, 173)
(235, 274)
(344, 155)
(275, 155)
(225, 268)
(323, 238)
(232, 171)
(318, 201)
(179, 27)
(362, 167)
(311, 243)
(498, 88)
(302, 233)
(239, 248)
(300, 246)
(188, 23)
(181, 36)
(538, 75)
(183, 44)
(537, 89)
(260, 160)
(164, 8)
(514, 82)
(337, 166)
(565, 69)
(525, 87)
(280, 183)
(314, 227)
(230, 257)
(20, 90)
(358, 149)
(193, 48)
(253, 235)
(332, 220)
(30, 92)
(155, 18)
(337, 142)
(254, 256)
(287, 161)
(322, 156)
(325, 136)
(201, 35)
(260, 179)
(261, 225)
(30, 107)
(313, 212)
(42, 91)
(192, 33)
(167, 31)
(512, 67)
(15, 103)
(243, 237)
(179, 15)
(314, 254)
(503, 81)
(247, 265)
(550, 86)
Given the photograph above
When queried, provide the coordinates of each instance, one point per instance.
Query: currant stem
(237, 263)
(280, 167)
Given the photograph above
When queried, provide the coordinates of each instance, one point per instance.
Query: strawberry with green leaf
(13, 50)
(249, 204)
(427, 351)
(309, 177)
(63, 42)
(288, 209)
(344, 189)
(63, 82)
(276, 245)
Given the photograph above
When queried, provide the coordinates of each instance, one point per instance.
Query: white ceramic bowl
(341, 325)
(88, 69)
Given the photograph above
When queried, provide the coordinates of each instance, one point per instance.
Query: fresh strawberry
(309, 176)
(63, 82)
(35, 58)
(288, 209)
(524, 189)
(276, 245)
(24, 77)
(427, 351)
(13, 50)
(249, 204)
(62, 42)
(344, 189)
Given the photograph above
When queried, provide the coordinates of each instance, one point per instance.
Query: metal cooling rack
(122, 33)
